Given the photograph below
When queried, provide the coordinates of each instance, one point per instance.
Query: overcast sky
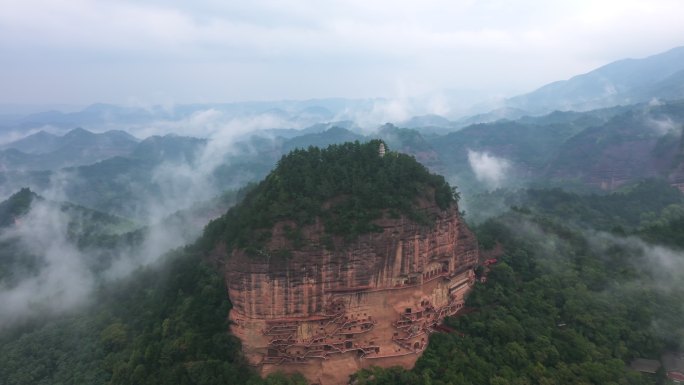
(172, 51)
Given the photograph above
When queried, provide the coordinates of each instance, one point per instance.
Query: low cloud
(53, 274)
(663, 264)
(61, 279)
(211, 123)
(65, 274)
(663, 125)
(658, 270)
(488, 168)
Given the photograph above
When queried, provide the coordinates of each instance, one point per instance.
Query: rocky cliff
(373, 302)
(326, 305)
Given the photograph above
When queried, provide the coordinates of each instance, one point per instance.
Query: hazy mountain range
(655, 78)
(623, 82)
(636, 134)
(604, 149)
(45, 151)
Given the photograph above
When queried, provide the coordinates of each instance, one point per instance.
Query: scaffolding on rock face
(338, 332)
(335, 334)
(415, 325)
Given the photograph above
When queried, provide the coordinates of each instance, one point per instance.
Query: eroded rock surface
(328, 311)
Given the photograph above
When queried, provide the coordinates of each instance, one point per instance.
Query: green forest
(347, 185)
(566, 304)
(166, 324)
(563, 306)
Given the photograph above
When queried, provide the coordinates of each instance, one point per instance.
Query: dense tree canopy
(347, 186)
(165, 325)
(565, 304)
(15, 206)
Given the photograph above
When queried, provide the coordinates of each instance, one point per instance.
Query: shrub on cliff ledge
(347, 186)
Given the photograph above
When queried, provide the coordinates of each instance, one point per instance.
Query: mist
(655, 268)
(61, 274)
(62, 280)
(65, 275)
(489, 169)
(663, 264)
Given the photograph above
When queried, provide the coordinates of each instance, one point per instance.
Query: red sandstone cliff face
(327, 313)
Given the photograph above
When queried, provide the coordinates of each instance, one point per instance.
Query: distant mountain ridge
(560, 146)
(45, 151)
(536, 142)
(626, 81)
(623, 82)
(44, 142)
(289, 113)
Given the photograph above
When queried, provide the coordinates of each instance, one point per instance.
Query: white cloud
(65, 274)
(662, 126)
(62, 279)
(488, 168)
(193, 51)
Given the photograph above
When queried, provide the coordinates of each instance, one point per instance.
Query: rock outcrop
(332, 307)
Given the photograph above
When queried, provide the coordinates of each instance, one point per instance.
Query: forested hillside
(163, 325)
(564, 305)
(347, 186)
